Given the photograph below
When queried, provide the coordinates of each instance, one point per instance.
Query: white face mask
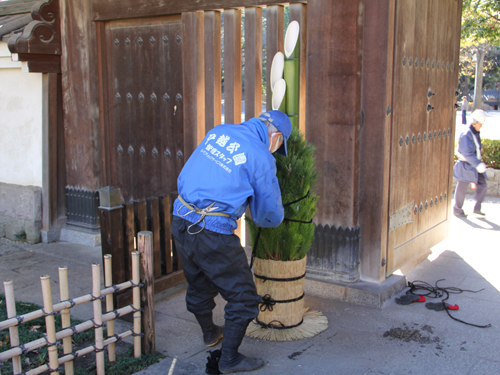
(275, 142)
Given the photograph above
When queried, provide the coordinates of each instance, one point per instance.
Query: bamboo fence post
(13, 331)
(108, 281)
(50, 324)
(96, 294)
(65, 316)
(136, 298)
(145, 246)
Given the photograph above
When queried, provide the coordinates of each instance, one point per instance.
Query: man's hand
(481, 168)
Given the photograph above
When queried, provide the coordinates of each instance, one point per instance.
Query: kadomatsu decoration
(279, 254)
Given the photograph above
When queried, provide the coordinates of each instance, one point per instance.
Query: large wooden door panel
(144, 105)
(425, 73)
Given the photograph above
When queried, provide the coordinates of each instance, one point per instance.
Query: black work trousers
(216, 263)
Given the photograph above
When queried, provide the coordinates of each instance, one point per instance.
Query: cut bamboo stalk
(108, 281)
(61, 306)
(291, 71)
(33, 345)
(145, 242)
(49, 324)
(13, 331)
(277, 68)
(96, 291)
(65, 316)
(136, 298)
(278, 96)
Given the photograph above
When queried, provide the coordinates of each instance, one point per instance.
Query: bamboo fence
(53, 340)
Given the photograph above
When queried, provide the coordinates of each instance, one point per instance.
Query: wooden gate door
(425, 73)
(142, 116)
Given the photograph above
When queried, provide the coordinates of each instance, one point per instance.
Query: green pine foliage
(297, 175)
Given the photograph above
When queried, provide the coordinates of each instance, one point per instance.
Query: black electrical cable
(437, 291)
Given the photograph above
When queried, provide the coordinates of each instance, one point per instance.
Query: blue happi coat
(233, 168)
(468, 151)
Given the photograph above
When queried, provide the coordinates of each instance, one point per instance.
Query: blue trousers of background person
(461, 190)
(216, 263)
(464, 117)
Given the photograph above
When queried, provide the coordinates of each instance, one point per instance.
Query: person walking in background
(470, 168)
(464, 110)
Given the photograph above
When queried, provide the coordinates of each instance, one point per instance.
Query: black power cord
(421, 288)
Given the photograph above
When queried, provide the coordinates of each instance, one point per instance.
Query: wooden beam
(253, 62)
(333, 100)
(50, 108)
(194, 80)
(10, 7)
(232, 66)
(213, 88)
(119, 9)
(81, 96)
(375, 137)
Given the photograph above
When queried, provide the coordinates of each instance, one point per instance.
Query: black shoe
(230, 360)
(211, 332)
(460, 214)
(479, 213)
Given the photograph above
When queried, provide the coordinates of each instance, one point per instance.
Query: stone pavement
(394, 339)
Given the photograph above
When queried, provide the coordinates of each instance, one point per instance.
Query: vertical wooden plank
(141, 217)
(102, 70)
(451, 139)
(375, 136)
(275, 40)
(112, 241)
(232, 66)
(145, 246)
(213, 88)
(153, 211)
(333, 100)
(166, 236)
(50, 104)
(193, 73)
(298, 12)
(253, 62)
(128, 240)
(81, 96)
(171, 116)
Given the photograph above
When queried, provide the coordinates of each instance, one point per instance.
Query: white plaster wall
(20, 123)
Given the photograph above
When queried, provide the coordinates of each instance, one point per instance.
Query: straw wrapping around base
(313, 323)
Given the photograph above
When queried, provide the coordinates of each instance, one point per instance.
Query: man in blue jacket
(470, 168)
(231, 169)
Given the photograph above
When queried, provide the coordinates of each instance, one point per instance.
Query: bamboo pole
(108, 281)
(13, 332)
(50, 324)
(79, 353)
(145, 242)
(96, 291)
(61, 306)
(291, 72)
(136, 298)
(33, 345)
(65, 316)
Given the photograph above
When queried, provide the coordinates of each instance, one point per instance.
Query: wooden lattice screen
(119, 228)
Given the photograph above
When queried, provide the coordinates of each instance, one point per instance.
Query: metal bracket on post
(401, 217)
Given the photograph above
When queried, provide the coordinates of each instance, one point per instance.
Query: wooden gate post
(111, 217)
(145, 246)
